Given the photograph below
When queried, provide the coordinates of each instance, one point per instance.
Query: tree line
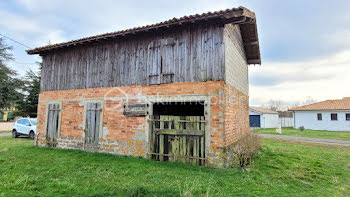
(20, 93)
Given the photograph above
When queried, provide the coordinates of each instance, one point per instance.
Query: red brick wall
(119, 126)
(126, 135)
(236, 114)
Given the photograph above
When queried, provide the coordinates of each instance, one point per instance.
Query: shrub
(243, 151)
(301, 128)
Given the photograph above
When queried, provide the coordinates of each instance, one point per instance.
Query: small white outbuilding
(332, 115)
(263, 118)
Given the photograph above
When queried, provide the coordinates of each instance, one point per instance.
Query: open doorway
(178, 132)
(179, 108)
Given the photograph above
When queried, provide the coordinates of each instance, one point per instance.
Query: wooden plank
(161, 147)
(178, 145)
(179, 156)
(150, 137)
(161, 139)
(188, 148)
(195, 151)
(202, 141)
(179, 132)
(93, 123)
(51, 123)
(97, 124)
(154, 139)
(88, 125)
(198, 149)
(54, 122)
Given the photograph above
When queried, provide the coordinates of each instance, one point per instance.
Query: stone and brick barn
(175, 90)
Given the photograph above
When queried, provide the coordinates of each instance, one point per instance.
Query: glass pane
(26, 122)
(33, 122)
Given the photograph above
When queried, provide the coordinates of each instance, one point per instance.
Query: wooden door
(92, 128)
(52, 127)
(178, 138)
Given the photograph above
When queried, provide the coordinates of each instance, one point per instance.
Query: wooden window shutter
(52, 122)
(93, 114)
(161, 60)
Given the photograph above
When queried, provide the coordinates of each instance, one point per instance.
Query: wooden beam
(179, 132)
(254, 61)
(250, 43)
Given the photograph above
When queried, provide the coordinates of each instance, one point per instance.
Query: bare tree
(309, 100)
(275, 105)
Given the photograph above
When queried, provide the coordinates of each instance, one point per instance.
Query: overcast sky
(305, 45)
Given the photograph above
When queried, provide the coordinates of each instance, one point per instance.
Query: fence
(287, 121)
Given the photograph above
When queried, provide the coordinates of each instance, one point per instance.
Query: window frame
(347, 116)
(336, 116)
(319, 116)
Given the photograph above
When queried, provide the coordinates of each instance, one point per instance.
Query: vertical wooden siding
(189, 54)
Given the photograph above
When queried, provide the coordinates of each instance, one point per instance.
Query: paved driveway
(308, 139)
(5, 134)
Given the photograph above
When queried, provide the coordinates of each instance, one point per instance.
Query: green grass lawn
(5, 131)
(339, 135)
(280, 169)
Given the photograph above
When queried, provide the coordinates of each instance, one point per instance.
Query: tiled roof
(339, 104)
(242, 16)
(262, 110)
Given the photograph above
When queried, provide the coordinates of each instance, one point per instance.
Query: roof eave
(241, 16)
(294, 110)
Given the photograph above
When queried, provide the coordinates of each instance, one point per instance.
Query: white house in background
(332, 115)
(262, 117)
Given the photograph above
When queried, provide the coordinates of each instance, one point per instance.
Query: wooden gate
(177, 138)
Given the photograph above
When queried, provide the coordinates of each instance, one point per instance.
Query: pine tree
(10, 86)
(28, 105)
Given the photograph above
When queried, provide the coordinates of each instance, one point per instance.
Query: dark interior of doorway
(179, 108)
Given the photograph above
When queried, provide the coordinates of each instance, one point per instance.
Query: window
(319, 116)
(26, 122)
(347, 116)
(33, 121)
(334, 116)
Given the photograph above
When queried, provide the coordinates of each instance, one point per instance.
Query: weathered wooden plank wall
(186, 54)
